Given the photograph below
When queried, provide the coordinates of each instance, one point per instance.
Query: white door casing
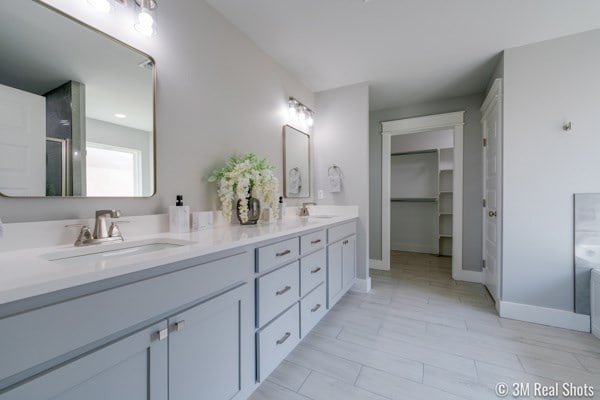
(22, 143)
(492, 190)
(406, 126)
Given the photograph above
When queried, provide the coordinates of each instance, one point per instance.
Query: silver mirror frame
(285, 162)
(154, 76)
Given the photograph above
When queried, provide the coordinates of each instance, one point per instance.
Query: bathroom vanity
(208, 315)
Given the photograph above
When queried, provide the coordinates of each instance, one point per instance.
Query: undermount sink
(102, 252)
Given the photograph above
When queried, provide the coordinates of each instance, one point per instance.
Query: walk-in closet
(421, 176)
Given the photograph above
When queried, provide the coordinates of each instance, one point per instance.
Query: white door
(492, 131)
(22, 143)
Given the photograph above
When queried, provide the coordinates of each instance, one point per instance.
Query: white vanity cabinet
(114, 343)
(341, 261)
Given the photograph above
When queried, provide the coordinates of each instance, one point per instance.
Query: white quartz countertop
(28, 272)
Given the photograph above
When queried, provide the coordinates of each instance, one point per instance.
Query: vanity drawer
(82, 324)
(312, 271)
(312, 241)
(312, 309)
(276, 341)
(276, 291)
(341, 231)
(276, 254)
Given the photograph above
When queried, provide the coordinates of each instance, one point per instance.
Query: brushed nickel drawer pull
(162, 334)
(284, 338)
(314, 271)
(283, 253)
(179, 325)
(282, 291)
(315, 241)
(315, 308)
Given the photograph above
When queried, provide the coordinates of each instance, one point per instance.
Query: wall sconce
(145, 12)
(299, 113)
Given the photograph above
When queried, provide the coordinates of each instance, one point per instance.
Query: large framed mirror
(296, 163)
(76, 108)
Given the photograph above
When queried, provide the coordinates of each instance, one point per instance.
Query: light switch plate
(320, 194)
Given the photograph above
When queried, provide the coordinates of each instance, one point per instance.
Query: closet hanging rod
(406, 153)
(414, 200)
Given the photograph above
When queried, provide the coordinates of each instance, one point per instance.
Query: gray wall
(545, 85)
(341, 137)
(218, 93)
(472, 175)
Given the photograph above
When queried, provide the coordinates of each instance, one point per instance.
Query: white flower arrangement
(242, 177)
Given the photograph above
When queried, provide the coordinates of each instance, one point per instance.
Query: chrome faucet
(303, 211)
(102, 233)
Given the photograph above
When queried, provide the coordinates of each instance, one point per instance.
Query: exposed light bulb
(100, 5)
(119, 115)
(310, 121)
(303, 114)
(145, 24)
(293, 111)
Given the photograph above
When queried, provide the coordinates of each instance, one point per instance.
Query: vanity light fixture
(145, 23)
(299, 113)
(101, 5)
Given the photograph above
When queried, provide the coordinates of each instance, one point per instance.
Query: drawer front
(277, 291)
(276, 341)
(312, 309)
(43, 334)
(276, 254)
(341, 231)
(312, 241)
(312, 271)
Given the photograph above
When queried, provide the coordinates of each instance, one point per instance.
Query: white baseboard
(362, 285)
(413, 247)
(468, 276)
(378, 264)
(545, 316)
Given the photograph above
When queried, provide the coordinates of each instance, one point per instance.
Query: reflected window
(113, 171)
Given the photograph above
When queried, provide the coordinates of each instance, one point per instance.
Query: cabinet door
(207, 358)
(334, 272)
(133, 368)
(349, 261)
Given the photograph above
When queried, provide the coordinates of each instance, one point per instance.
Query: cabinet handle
(162, 334)
(282, 291)
(179, 325)
(315, 241)
(283, 253)
(314, 271)
(284, 338)
(315, 308)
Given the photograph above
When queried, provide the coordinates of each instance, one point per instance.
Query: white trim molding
(455, 121)
(545, 316)
(376, 264)
(469, 276)
(362, 285)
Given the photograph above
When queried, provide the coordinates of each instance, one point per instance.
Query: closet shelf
(413, 199)
(406, 153)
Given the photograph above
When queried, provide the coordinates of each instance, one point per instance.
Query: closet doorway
(422, 187)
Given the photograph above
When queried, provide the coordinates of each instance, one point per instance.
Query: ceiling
(409, 51)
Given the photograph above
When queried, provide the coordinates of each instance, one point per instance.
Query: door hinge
(484, 203)
(484, 142)
(483, 263)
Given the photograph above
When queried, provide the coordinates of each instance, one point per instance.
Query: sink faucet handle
(85, 236)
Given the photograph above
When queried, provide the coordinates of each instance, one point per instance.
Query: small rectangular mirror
(296, 163)
(76, 108)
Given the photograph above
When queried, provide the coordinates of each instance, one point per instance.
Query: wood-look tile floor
(421, 335)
